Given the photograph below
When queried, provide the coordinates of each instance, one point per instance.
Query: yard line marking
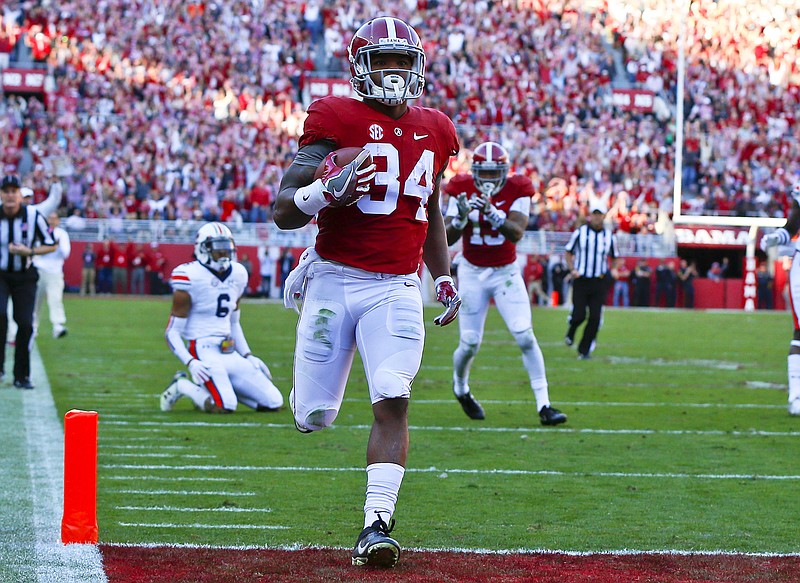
(185, 492)
(154, 446)
(168, 455)
(531, 402)
(605, 404)
(444, 471)
(145, 426)
(185, 509)
(169, 479)
(476, 551)
(203, 526)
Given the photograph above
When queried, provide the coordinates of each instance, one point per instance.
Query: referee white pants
(51, 285)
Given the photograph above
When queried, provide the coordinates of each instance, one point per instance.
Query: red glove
(447, 293)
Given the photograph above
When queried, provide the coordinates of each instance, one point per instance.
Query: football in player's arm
(205, 313)
(378, 218)
(489, 209)
(783, 236)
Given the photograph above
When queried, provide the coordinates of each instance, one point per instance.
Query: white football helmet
(214, 247)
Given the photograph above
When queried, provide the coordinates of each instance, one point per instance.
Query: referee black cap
(10, 181)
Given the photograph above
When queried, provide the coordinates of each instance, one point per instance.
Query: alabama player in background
(783, 236)
(489, 210)
(205, 313)
(378, 218)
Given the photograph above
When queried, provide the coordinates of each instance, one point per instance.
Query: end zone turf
(137, 564)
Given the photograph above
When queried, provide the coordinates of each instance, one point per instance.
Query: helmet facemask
(216, 253)
(489, 177)
(392, 86)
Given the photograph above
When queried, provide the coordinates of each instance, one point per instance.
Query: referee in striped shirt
(23, 233)
(587, 253)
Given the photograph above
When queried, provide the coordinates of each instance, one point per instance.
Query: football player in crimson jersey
(783, 236)
(205, 312)
(359, 285)
(489, 211)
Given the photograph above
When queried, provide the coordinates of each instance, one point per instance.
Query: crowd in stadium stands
(166, 110)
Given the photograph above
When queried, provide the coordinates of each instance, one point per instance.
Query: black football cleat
(568, 341)
(23, 384)
(471, 406)
(375, 548)
(550, 416)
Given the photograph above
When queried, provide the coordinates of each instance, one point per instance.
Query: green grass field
(678, 438)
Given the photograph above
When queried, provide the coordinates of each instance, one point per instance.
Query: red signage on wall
(24, 80)
(322, 87)
(633, 100)
(698, 236)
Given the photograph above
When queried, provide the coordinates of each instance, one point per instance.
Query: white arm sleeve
(239, 341)
(174, 336)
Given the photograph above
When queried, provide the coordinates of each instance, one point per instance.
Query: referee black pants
(587, 293)
(21, 288)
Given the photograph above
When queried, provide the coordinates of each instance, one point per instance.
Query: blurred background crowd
(168, 109)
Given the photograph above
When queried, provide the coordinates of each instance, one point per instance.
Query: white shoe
(794, 407)
(171, 393)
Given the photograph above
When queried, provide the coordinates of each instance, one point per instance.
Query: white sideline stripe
(145, 426)
(55, 562)
(185, 492)
(478, 551)
(204, 526)
(444, 471)
(169, 479)
(185, 509)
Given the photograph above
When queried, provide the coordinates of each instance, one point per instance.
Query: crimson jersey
(385, 230)
(483, 245)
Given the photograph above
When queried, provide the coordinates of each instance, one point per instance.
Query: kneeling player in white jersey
(205, 313)
(782, 237)
(491, 209)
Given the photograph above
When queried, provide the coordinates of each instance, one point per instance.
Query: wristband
(495, 218)
(311, 199)
(459, 224)
(442, 279)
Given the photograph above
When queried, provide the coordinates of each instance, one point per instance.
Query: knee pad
(387, 384)
(470, 342)
(314, 418)
(525, 339)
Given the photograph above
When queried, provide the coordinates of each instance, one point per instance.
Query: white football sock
(794, 376)
(383, 486)
(533, 360)
(462, 361)
(196, 393)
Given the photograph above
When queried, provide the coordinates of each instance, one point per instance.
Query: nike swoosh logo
(408, 284)
(305, 196)
(362, 549)
(419, 136)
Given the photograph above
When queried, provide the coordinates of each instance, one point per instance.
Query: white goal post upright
(750, 288)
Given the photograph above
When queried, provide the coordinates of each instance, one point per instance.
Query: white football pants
(344, 309)
(233, 378)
